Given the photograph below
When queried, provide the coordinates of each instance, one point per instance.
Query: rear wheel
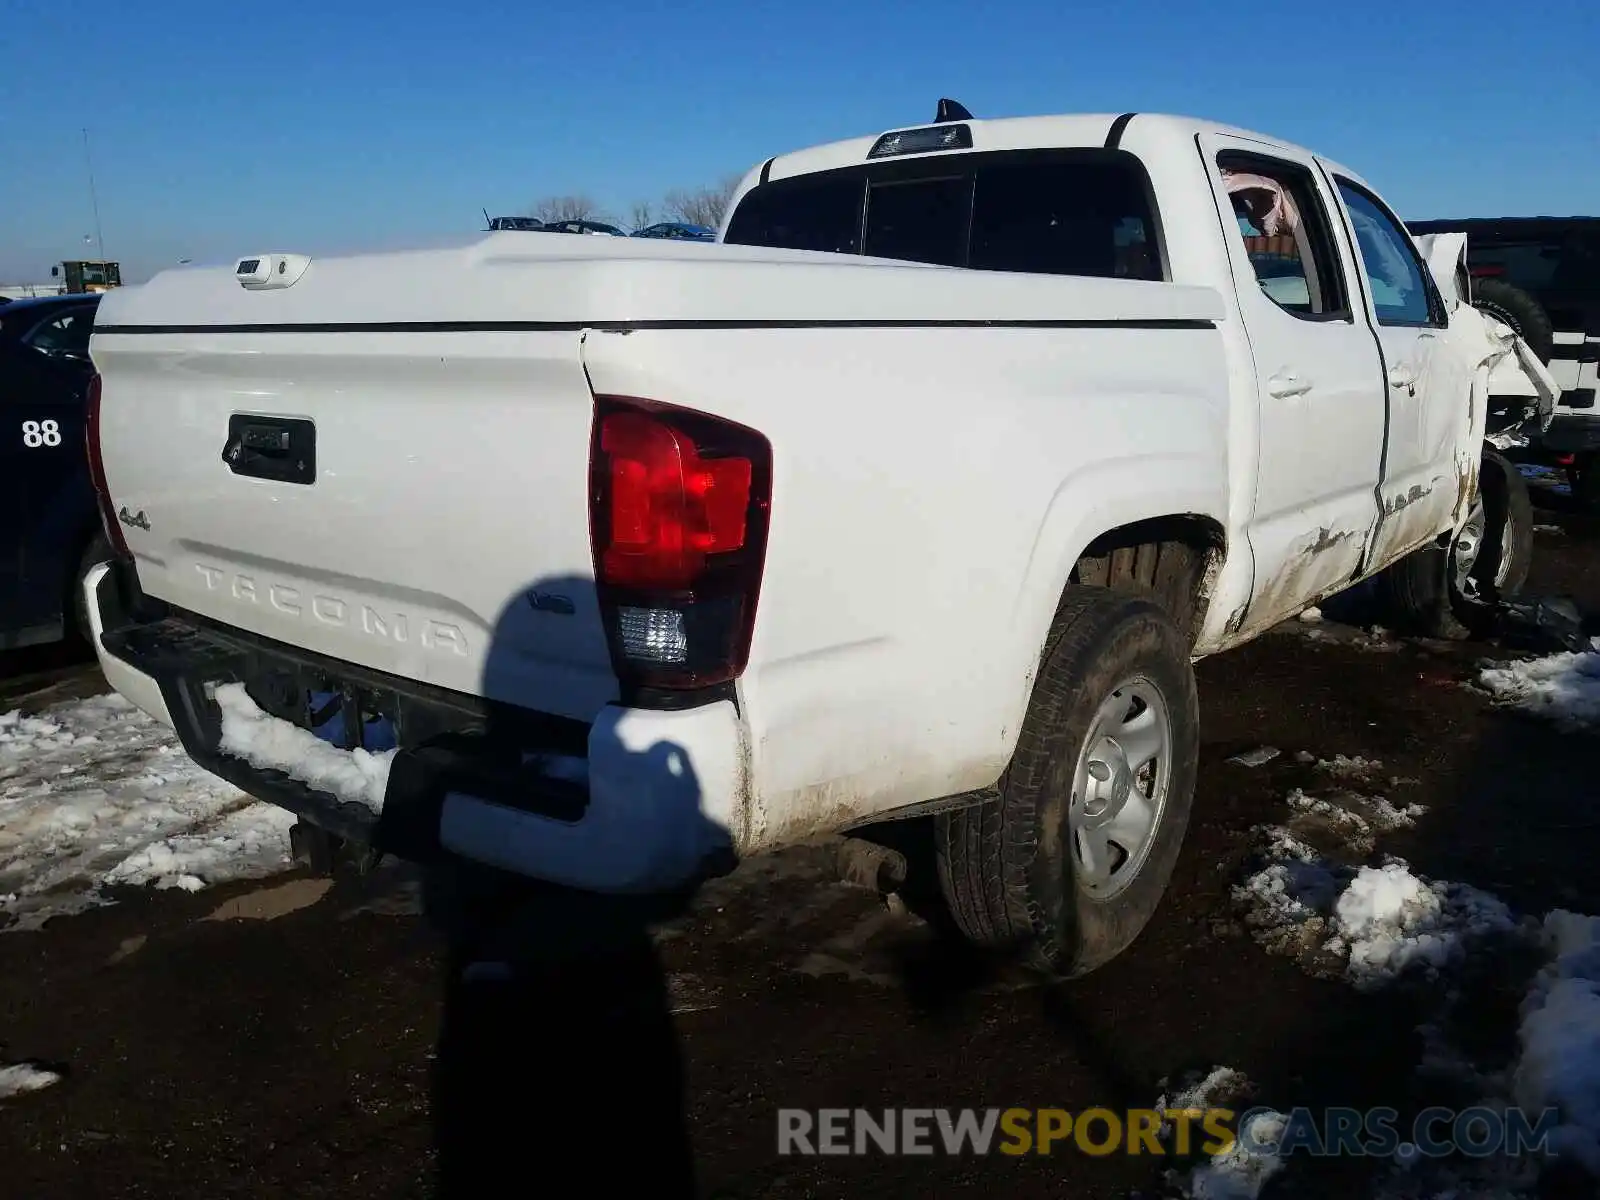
(1071, 860)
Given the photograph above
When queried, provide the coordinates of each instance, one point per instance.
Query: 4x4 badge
(137, 520)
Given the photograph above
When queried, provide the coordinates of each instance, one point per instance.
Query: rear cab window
(1054, 212)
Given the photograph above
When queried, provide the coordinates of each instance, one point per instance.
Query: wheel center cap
(1110, 781)
(1469, 544)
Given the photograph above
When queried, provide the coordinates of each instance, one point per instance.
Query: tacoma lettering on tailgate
(325, 609)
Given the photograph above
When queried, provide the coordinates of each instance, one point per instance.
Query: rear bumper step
(446, 742)
(638, 801)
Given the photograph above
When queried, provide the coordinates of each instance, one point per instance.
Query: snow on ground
(1559, 1063)
(95, 792)
(1390, 920)
(20, 1078)
(1220, 1087)
(1369, 923)
(1373, 925)
(1563, 688)
(1240, 1171)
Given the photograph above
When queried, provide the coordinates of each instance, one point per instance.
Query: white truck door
(1320, 388)
(1431, 460)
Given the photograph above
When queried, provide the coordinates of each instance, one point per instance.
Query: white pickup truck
(601, 560)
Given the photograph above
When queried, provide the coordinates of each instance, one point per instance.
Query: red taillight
(1487, 271)
(678, 510)
(97, 472)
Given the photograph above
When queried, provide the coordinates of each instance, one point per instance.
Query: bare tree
(702, 206)
(567, 208)
(643, 210)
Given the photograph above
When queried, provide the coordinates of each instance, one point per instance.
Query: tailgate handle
(282, 449)
(265, 439)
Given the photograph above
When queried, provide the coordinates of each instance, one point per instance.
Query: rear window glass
(919, 220)
(818, 213)
(1055, 213)
(1064, 218)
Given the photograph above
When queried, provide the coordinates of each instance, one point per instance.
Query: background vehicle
(1541, 276)
(636, 558)
(589, 227)
(49, 534)
(679, 230)
(83, 276)
(527, 224)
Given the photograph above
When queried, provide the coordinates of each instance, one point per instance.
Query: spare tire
(1517, 309)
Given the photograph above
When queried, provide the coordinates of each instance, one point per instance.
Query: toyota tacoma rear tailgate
(299, 464)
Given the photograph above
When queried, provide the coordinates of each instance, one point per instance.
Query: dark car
(591, 227)
(50, 531)
(526, 224)
(678, 230)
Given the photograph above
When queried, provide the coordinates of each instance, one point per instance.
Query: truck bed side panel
(932, 490)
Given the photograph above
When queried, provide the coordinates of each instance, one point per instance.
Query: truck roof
(1015, 133)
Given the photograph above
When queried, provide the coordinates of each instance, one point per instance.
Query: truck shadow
(557, 1040)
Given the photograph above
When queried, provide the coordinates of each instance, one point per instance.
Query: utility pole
(93, 199)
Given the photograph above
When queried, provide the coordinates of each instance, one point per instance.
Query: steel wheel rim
(1468, 547)
(1120, 788)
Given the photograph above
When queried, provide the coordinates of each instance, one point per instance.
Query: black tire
(97, 551)
(1517, 309)
(1422, 592)
(1006, 867)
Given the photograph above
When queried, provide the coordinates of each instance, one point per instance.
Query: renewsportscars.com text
(1434, 1132)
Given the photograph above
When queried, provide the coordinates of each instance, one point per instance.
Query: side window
(67, 334)
(1395, 271)
(1286, 235)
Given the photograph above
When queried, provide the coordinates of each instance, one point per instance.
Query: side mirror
(55, 272)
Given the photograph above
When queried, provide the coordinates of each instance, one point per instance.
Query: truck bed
(432, 496)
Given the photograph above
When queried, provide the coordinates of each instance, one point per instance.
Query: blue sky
(219, 128)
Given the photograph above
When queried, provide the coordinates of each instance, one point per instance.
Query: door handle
(1287, 383)
(1402, 376)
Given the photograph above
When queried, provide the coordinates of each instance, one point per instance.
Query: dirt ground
(298, 1038)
